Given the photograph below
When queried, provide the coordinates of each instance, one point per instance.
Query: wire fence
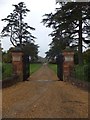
(80, 75)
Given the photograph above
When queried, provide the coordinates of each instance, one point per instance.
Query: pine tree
(72, 22)
(16, 28)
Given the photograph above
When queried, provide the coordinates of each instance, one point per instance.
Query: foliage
(6, 56)
(82, 72)
(87, 72)
(31, 49)
(86, 56)
(19, 32)
(16, 28)
(70, 23)
(56, 47)
(76, 58)
(7, 70)
(79, 72)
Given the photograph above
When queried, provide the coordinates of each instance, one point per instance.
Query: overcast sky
(34, 17)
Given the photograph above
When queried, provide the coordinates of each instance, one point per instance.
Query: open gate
(26, 67)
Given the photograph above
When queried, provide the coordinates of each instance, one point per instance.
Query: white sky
(34, 17)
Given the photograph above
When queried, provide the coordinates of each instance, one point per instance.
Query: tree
(16, 28)
(31, 49)
(86, 55)
(56, 46)
(72, 22)
(7, 56)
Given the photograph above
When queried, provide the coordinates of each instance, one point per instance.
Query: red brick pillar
(68, 63)
(17, 61)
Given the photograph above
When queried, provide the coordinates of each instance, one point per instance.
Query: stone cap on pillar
(17, 49)
(68, 51)
(68, 56)
(17, 54)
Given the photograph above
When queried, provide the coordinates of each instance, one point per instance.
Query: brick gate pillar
(68, 62)
(17, 61)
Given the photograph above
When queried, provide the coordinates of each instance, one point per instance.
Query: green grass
(7, 70)
(34, 67)
(81, 72)
(53, 67)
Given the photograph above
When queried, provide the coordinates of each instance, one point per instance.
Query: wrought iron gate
(26, 67)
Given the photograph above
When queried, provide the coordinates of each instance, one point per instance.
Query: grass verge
(34, 67)
(53, 67)
(7, 69)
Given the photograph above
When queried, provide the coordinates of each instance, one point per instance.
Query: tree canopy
(16, 28)
(71, 25)
(31, 50)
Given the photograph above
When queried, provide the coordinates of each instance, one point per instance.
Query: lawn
(53, 67)
(80, 71)
(34, 67)
(7, 69)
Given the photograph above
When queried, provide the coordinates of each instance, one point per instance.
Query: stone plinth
(68, 63)
(17, 61)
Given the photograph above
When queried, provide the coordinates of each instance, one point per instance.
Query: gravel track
(43, 96)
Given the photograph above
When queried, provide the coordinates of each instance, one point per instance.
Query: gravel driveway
(43, 96)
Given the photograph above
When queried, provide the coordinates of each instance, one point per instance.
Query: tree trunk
(80, 57)
(20, 32)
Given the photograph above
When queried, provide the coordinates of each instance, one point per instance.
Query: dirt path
(44, 73)
(44, 97)
(0, 104)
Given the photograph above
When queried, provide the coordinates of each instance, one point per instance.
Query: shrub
(76, 58)
(79, 72)
(82, 72)
(87, 72)
(6, 70)
(86, 56)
